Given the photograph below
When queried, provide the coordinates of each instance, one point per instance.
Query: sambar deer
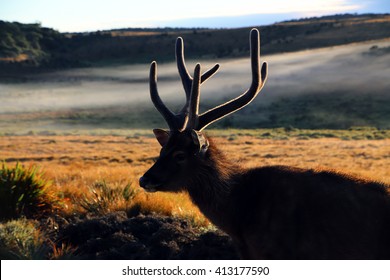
(272, 212)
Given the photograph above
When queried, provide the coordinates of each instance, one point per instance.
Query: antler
(176, 121)
(172, 120)
(258, 81)
(188, 117)
(185, 76)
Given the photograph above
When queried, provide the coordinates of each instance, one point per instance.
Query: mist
(357, 68)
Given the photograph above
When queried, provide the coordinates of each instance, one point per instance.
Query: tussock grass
(21, 239)
(24, 191)
(103, 199)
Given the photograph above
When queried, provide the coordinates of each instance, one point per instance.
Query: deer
(270, 212)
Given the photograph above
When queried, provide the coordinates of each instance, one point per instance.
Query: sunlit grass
(21, 239)
(98, 174)
(24, 191)
(76, 164)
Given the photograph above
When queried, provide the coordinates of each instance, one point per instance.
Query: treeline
(32, 46)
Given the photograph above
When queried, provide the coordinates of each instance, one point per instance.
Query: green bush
(24, 192)
(21, 239)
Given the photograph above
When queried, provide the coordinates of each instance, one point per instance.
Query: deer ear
(199, 140)
(162, 136)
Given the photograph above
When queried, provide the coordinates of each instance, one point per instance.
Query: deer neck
(211, 185)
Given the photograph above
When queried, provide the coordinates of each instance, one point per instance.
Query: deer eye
(179, 156)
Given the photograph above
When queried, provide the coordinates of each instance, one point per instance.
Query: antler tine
(181, 66)
(193, 113)
(169, 117)
(258, 80)
(185, 76)
(177, 121)
(209, 73)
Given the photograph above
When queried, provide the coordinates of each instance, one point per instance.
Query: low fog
(360, 68)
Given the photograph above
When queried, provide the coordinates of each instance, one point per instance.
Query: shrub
(20, 239)
(24, 192)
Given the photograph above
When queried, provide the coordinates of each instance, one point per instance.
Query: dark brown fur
(281, 212)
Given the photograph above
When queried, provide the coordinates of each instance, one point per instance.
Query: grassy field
(77, 164)
(97, 175)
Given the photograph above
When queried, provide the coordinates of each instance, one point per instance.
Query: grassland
(98, 174)
(76, 163)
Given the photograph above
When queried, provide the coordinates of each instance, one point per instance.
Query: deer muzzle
(147, 184)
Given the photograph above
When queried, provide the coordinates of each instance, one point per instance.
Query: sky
(92, 15)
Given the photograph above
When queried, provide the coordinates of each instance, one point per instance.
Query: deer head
(184, 146)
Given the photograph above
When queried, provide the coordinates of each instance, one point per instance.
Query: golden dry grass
(75, 163)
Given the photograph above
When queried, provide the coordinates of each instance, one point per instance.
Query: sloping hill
(34, 46)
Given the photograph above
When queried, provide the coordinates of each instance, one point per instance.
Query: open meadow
(94, 182)
(75, 164)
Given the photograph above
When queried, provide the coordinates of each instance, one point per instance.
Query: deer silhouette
(272, 212)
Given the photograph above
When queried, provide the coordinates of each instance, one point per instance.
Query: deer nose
(143, 181)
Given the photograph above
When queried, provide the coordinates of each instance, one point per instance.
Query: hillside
(30, 46)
